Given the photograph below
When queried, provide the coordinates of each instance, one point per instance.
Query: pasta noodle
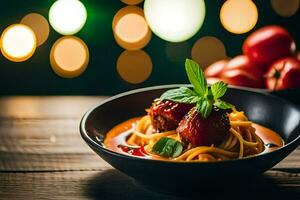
(240, 142)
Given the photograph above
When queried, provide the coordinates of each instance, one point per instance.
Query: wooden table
(43, 156)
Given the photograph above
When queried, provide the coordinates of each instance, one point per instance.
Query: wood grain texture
(43, 156)
(45, 145)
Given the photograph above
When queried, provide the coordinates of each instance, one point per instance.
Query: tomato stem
(277, 75)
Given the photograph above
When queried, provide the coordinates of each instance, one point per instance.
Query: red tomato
(241, 71)
(268, 44)
(212, 80)
(215, 69)
(298, 55)
(242, 62)
(242, 78)
(284, 74)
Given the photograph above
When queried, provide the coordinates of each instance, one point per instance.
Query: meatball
(198, 131)
(165, 115)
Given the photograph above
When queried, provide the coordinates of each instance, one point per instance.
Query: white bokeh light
(175, 20)
(18, 42)
(67, 17)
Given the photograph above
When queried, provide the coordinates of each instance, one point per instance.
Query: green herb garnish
(167, 147)
(202, 95)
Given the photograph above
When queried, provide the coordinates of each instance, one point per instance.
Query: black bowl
(292, 95)
(264, 109)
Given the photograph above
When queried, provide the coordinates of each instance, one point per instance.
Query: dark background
(35, 75)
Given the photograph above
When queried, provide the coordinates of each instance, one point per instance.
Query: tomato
(268, 44)
(212, 80)
(243, 78)
(284, 74)
(215, 69)
(298, 55)
(241, 71)
(243, 62)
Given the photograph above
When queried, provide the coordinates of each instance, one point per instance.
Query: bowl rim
(95, 145)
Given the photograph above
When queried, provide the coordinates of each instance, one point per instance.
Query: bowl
(262, 108)
(291, 95)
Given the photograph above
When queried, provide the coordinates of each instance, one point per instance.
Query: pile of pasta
(240, 142)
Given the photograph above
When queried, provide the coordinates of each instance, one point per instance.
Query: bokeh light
(285, 8)
(175, 20)
(132, 2)
(39, 25)
(69, 57)
(178, 52)
(134, 66)
(18, 42)
(67, 17)
(130, 28)
(238, 16)
(207, 50)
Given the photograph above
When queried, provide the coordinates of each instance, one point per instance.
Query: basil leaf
(196, 77)
(222, 104)
(218, 89)
(181, 95)
(204, 98)
(167, 147)
(204, 108)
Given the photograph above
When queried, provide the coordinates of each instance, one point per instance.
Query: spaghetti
(240, 142)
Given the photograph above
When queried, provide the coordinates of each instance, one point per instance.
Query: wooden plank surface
(42, 134)
(42, 153)
(45, 145)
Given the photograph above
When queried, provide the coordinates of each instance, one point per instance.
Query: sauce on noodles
(117, 140)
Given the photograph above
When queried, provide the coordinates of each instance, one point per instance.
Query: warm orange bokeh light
(69, 56)
(39, 25)
(238, 16)
(132, 2)
(207, 50)
(134, 66)
(130, 28)
(285, 8)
